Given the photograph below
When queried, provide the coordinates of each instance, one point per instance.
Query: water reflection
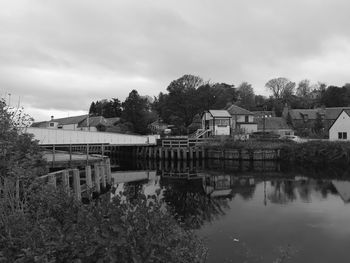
(263, 205)
(200, 192)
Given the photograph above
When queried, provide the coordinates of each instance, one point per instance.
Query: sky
(58, 56)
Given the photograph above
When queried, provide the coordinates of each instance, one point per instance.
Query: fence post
(108, 168)
(76, 183)
(97, 178)
(65, 180)
(52, 180)
(88, 177)
(103, 174)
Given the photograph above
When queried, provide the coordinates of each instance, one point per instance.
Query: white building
(242, 120)
(340, 129)
(217, 121)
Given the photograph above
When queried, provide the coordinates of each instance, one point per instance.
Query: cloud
(60, 55)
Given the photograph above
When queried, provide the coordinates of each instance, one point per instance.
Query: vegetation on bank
(57, 228)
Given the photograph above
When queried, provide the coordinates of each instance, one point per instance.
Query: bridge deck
(47, 136)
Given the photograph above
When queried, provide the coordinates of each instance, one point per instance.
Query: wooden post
(102, 150)
(87, 154)
(17, 192)
(203, 153)
(166, 153)
(197, 154)
(65, 181)
(191, 153)
(108, 171)
(149, 152)
(178, 154)
(172, 153)
(52, 180)
(53, 156)
(184, 154)
(103, 174)
(160, 153)
(88, 177)
(97, 178)
(70, 154)
(76, 184)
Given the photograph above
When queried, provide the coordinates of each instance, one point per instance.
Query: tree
(280, 87)
(181, 102)
(20, 159)
(246, 96)
(135, 110)
(304, 89)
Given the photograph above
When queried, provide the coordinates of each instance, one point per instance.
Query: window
(52, 124)
(247, 118)
(342, 135)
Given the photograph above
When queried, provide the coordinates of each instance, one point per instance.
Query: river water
(253, 212)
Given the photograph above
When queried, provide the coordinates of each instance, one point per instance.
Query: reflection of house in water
(343, 189)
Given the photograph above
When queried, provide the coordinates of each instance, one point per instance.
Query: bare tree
(280, 87)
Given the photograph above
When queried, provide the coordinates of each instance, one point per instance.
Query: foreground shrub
(56, 228)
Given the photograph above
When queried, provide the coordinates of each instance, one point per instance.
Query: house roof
(39, 124)
(333, 113)
(330, 113)
(220, 113)
(297, 114)
(272, 123)
(112, 121)
(347, 111)
(70, 120)
(94, 122)
(235, 110)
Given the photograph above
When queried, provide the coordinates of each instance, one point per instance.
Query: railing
(183, 143)
(79, 182)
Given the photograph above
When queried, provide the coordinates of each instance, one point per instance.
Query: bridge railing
(60, 136)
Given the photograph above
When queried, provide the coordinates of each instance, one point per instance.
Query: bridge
(47, 136)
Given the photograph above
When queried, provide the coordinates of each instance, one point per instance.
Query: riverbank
(315, 152)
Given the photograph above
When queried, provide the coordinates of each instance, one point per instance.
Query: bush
(56, 228)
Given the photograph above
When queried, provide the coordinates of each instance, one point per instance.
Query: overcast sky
(59, 55)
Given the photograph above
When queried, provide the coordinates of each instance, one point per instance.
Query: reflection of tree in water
(190, 205)
(282, 192)
(246, 191)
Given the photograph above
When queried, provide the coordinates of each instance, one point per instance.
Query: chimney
(52, 117)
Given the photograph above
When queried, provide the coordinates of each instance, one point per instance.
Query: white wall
(342, 124)
(59, 136)
(219, 130)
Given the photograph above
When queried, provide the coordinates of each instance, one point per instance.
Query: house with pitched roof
(217, 122)
(306, 119)
(242, 120)
(340, 129)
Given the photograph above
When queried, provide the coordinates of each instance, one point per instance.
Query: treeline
(190, 95)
